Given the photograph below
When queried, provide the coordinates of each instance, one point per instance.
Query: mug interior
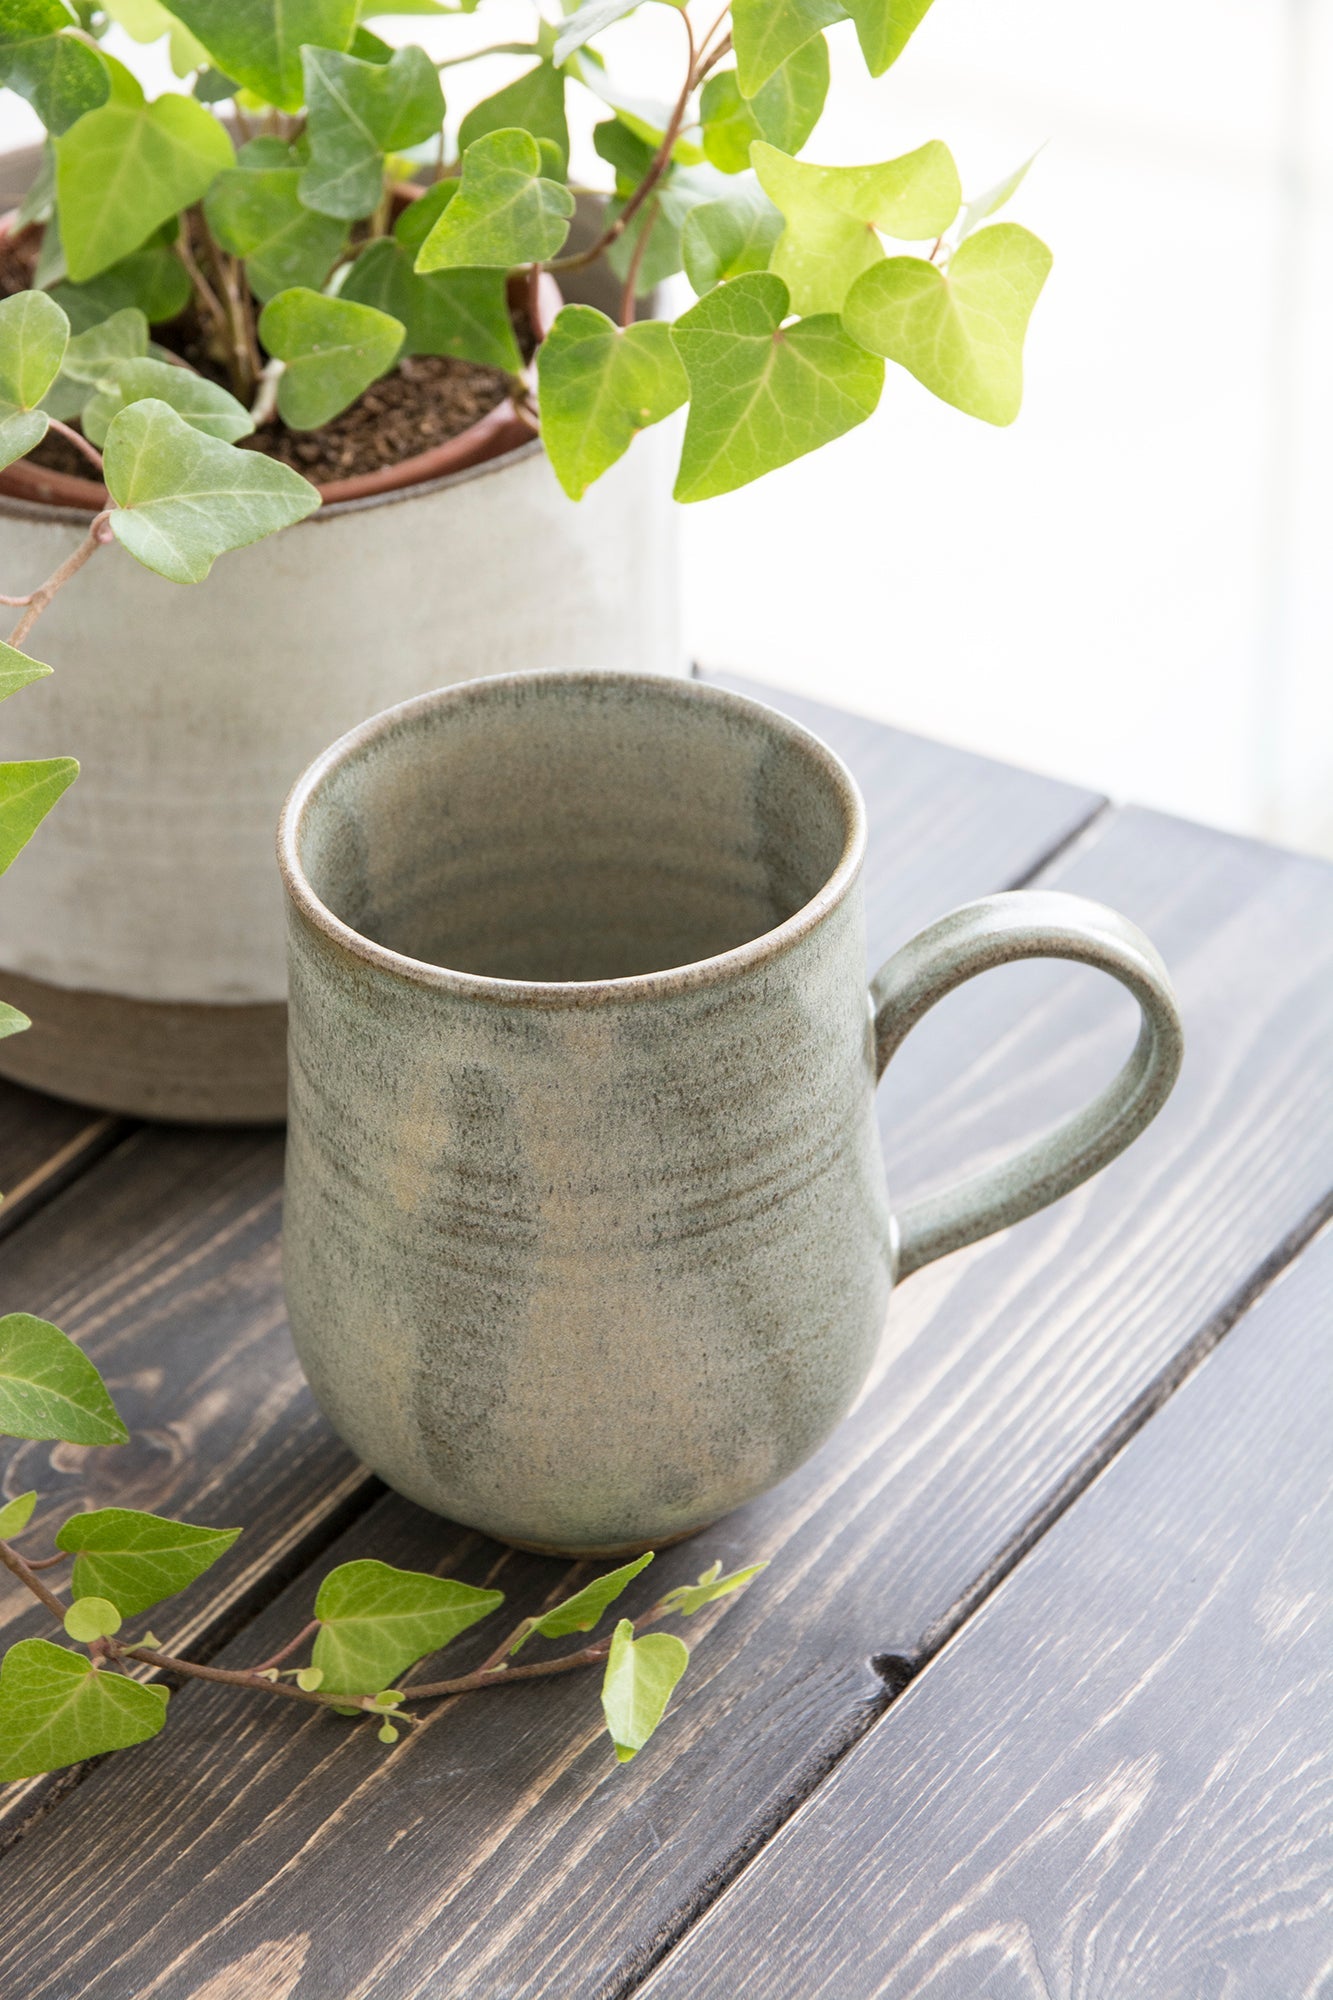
(573, 827)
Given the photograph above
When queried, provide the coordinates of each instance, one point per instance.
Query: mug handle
(1042, 923)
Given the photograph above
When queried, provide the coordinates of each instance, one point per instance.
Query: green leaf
(183, 499)
(665, 213)
(692, 1597)
(599, 387)
(994, 198)
(12, 1022)
(33, 336)
(959, 332)
(884, 28)
(333, 348)
(59, 74)
(50, 1389)
(785, 110)
(640, 1676)
(309, 1678)
(832, 215)
(259, 41)
(767, 33)
(376, 1621)
(90, 1618)
(762, 394)
(535, 102)
(581, 1612)
(724, 239)
(92, 355)
(505, 212)
(16, 1514)
(18, 671)
(257, 213)
(57, 1708)
(204, 404)
(359, 111)
(137, 1559)
(582, 23)
(154, 281)
(127, 168)
(419, 217)
(463, 313)
(28, 791)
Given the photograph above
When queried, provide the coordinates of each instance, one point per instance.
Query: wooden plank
(45, 1144)
(519, 1851)
(199, 1213)
(1119, 1779)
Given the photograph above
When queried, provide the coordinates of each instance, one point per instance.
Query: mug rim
(569, 992)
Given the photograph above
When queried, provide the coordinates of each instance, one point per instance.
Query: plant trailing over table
(371, 1624)
(269, 211)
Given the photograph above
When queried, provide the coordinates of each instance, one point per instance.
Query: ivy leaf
(725, 238)
(463, 313)
(50, 1389)
(333, 348)
(61, 76)
(959, 332)
(57, 1708)
(599, 387)
(582, 23)
(785, 110)
(420, 216)
(665, 214)
(994, 198)
(16, 1514)
(137, 1559)
(535, 102)
(505, 212)
(884, 28)
(767, 33)
(90, 1618)
(93, 354)
(358, 112)
(640, 1676)
(127, 168)
(692, 1597)
(581, 1612)
(375, 1621)
(183, 499)
(33, 336)
(12, 1022)
(259, 41)
(257, 213)
(28, 790)
(18, 671)
(832, 214)
(205, 405)
(153, 281)
(762, 394)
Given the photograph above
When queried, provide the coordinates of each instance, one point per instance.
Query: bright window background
(1132, 587)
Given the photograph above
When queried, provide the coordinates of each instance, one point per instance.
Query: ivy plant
(95, 1686)
(298, 207)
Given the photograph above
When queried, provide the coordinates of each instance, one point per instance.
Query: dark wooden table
(1036, 1697)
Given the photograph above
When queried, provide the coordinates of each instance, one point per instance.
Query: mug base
(603, 1550)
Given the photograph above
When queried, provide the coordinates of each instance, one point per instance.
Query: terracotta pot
(142, 929)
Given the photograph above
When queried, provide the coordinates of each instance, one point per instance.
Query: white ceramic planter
(142, 928)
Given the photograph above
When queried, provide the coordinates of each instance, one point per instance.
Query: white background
(1131, 587)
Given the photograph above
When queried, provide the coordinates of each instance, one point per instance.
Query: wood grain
(518, 1850)
(165, 1263)
(45, 1144)
(1119, 1779)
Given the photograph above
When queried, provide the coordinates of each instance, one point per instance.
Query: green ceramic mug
(587, 1237)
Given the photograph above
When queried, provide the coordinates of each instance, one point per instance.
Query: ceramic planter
(143, 930)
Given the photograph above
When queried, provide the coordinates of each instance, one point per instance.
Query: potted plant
(274, 287)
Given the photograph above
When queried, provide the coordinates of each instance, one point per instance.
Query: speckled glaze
(587, 1235)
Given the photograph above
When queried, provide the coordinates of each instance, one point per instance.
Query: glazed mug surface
(587, 1234)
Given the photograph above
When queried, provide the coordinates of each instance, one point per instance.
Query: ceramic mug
(587, 1234)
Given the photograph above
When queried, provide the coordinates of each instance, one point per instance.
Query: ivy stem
(285, 1652)
(631, 291)
(244, 1677)
(14, 1562)
(243, 352)
(203, 291)
(76, 438)
(661, 160)
(48, 1562)
(495, 49)
(498, 1675)
(37, 600)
